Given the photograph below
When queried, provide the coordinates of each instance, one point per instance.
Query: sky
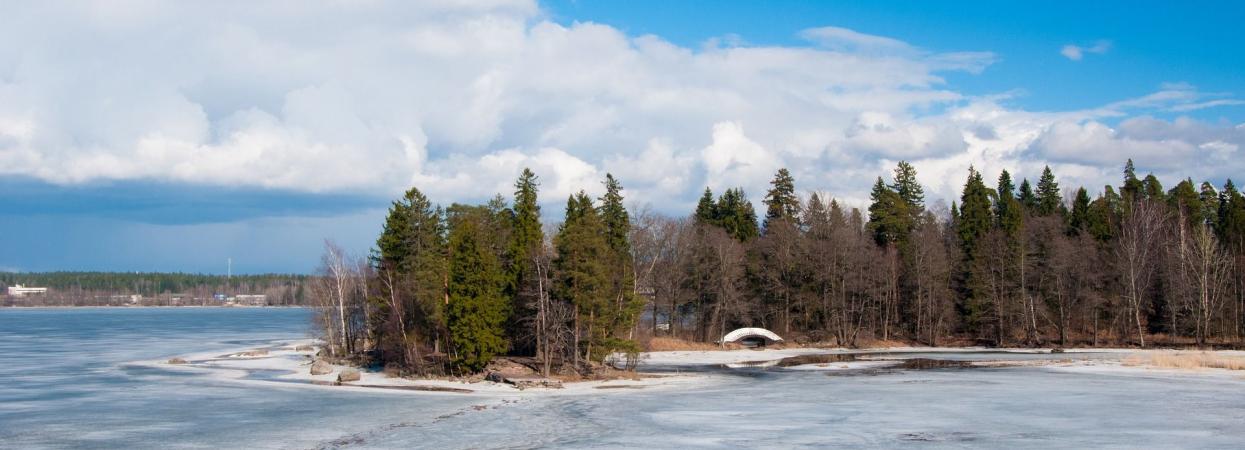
(172, 136)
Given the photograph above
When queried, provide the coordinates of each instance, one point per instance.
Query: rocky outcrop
(178, 361)
(320, 367)
(348, 375)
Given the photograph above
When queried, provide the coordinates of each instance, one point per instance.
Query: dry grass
(667, 344)
(1186, 361)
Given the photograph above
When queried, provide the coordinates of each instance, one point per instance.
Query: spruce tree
(617, 229)
(706, 209)
(1006, 207)
(889, 218)
(1079, 220)
(1026, 196)
(1049, 199)
(975, 215)
(477, 308)
(581, 273)
(736, 215)
(526, 242)
(909, 189)
(780, 201)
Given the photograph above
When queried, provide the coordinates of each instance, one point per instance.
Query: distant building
(251, 299)
(22, 291)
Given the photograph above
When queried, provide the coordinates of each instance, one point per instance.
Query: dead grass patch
(1186, 360)
(668, 344)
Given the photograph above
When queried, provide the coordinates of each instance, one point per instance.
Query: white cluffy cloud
(1077, 52)
(457, 97)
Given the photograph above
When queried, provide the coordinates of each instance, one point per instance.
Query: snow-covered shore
(288, 363)
(284, 364)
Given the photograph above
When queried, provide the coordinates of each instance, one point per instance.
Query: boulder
(348, 375)
(178, 361)
(304, 348)
(320, 367)
(1056, 350)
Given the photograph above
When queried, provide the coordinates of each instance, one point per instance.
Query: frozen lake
(69, 382)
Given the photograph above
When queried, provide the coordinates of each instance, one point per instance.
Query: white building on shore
(22, 291)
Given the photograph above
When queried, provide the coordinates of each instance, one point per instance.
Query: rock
(1056, 350)
(320, 367)
(304, 348)
(254, 353)
(348, 375)
(178, 361)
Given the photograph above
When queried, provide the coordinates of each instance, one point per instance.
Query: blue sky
(171, 136)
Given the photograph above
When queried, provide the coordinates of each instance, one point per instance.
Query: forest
(100, 288)
(446, 289)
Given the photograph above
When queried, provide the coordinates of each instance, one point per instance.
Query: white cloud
(457, 97)
(1077, 52)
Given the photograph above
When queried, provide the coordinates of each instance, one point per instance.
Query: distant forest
(102, 288)
(1009, 264)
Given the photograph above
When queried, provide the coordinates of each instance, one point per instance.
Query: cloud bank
(457, 97)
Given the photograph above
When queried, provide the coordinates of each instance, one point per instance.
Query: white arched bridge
(751, 337)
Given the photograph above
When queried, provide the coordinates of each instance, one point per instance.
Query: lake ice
(70, 381)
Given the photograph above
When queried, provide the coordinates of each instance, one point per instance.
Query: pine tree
(477, 309)
(1184, 199)
(1232, 218)
(1210, 204)
(1152, 189)
(1049, 199)
(1132, 189)
(780, 201)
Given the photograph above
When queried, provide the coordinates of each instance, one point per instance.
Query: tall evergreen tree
(581, 272)
(1210, 204)
(1026, 196)
(1132, 188)
(1006, 207)
(909, 189)
(975, 215)
(1049, 199)
(780, 201)
(1152, 189)
(706, 212)
(1232, 218)
(736, 215)
(617, 228)
(1079, 220)
(526, 243)
(477, 309)
(1184, 200)
(889, 219)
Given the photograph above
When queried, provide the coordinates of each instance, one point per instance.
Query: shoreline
(284, 365)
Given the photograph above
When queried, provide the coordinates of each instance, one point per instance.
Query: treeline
(447, 289)
(1006, 265)
(85, 288)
